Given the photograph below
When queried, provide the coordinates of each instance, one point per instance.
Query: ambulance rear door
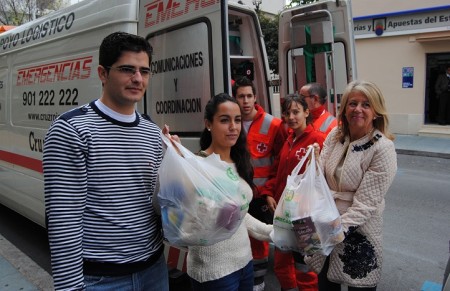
(316, 44)
(198, 47)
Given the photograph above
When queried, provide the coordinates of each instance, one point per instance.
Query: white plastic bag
(199, 198)
(306, 219)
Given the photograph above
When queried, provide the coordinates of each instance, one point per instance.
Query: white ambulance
(316, 44)
(48, 66)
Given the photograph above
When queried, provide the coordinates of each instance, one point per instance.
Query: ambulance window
(235, 36)
(296, 61)
(340, 67)
(240, 34)
(245, 52)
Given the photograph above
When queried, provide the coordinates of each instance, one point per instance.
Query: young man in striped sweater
(100, 169)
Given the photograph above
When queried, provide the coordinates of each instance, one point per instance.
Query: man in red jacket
(316, 97)
(265, 138)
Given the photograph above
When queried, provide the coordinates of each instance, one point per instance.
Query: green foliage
(294, 3)
(17, 12)
(269, 27)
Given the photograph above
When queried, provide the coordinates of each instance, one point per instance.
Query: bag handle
(178, 147)
(309, 152)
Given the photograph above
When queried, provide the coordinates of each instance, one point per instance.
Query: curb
(26, 269)
(423, 153)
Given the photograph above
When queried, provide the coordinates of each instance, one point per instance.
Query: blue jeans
(241, 280)
(154, 278)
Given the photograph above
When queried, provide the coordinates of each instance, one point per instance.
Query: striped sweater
(100, 176)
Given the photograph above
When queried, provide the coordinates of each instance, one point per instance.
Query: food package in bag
(199, 198)
(317, 235)
(315, 224)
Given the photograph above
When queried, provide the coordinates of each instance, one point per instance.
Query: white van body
(49, 66)
(194, 60)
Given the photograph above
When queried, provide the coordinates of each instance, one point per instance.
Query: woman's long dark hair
(239, 152)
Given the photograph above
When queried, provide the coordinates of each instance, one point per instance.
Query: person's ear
(207, 124)
(102, 73)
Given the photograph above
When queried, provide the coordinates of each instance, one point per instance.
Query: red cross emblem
(261, 147)
(300, 153)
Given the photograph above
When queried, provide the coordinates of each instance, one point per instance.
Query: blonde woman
(359, 162)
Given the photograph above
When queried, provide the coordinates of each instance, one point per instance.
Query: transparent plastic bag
(199, 198)
(306, 219)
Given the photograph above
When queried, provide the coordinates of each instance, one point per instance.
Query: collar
(292, 138)
(364, 142)
(317, 112)
(260, 112)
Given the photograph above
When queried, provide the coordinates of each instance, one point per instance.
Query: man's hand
(174, 139)
(166, 132)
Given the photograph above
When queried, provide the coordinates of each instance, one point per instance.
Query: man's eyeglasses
(306, 96)
(130, 71)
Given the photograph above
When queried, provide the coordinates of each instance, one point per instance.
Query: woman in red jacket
(292, 274)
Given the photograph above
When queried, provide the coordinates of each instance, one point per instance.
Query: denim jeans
(154, 278)
(241, 280)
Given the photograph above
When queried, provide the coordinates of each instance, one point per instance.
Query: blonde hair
(377, 102)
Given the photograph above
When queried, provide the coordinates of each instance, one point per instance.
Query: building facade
(403, 46)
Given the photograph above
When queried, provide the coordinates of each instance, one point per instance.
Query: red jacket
(265, 138)
(291, 153)
(324, 121)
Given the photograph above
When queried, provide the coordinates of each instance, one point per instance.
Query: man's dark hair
(319, 90)
(116, 43)
(243, 82)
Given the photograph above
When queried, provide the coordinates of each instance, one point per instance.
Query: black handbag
(259, 209)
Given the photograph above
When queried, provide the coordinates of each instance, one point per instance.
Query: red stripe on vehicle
(22, 161)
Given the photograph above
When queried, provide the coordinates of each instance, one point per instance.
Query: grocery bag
(306, 219)
(200, 200)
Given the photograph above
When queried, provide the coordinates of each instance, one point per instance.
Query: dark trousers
(327, 285)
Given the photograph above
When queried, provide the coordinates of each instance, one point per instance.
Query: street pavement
(18, 272)
(427, 146)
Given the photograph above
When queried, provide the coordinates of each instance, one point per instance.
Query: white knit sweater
(206, 263)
